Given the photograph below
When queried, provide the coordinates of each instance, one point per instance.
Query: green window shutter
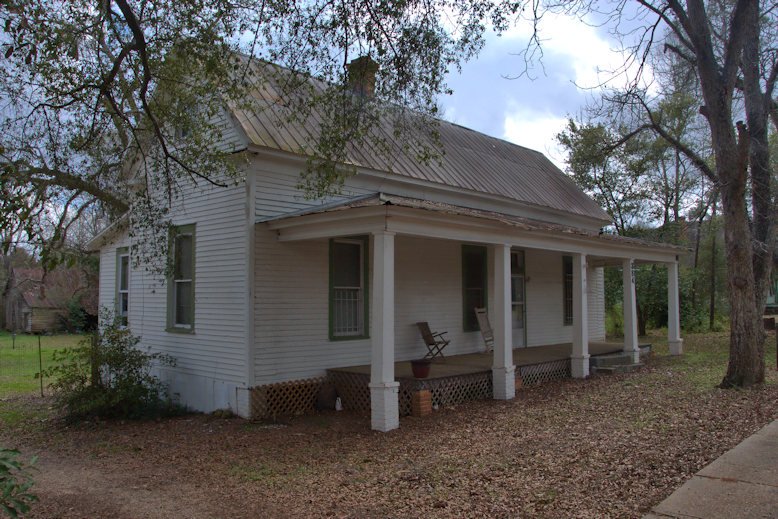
(474, 284)
(567, 291)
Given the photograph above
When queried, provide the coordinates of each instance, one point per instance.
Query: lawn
(20, 361)
(609, 446)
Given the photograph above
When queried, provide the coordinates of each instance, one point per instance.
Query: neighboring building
(771, 306)
(38, 303)
(27, 308)
(269, 287)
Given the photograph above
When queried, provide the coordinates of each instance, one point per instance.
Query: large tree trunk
(731, 150)
(746, 352)
(757, 105)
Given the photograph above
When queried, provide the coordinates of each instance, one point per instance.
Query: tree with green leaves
(614, 178)
(729, 52)
(106, 103)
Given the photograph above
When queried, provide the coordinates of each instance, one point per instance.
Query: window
(517, 289)
(181, 301)
(567, 280)
(122, 285)
(348, 288)
(473, 284)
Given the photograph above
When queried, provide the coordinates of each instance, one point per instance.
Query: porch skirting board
(290, 398)
(296, 397)
(446, 391)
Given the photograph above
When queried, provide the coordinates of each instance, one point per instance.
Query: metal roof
(525, 224)
(469, 159)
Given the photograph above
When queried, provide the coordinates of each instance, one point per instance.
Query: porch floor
(455, 365)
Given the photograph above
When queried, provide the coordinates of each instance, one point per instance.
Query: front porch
(461, 378)
(394, 261)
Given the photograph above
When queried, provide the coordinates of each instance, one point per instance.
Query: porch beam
(579, 361)
(630, 312)
(384, 390)
(674, 340)
(402, 220)
(503, 369)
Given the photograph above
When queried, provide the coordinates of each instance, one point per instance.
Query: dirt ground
(610, 446)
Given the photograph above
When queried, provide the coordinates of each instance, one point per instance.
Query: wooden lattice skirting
(285, 398)
(447, 391)
(545, 371)
(299, 396)
(352, 389)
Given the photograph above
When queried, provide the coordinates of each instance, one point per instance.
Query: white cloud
(591, 53)
(535, 130)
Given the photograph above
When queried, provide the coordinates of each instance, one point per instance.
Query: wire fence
(24, 356)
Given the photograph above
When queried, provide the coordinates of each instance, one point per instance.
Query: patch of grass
(268, 474)
(20, 413)
(705, 357)
(19, 360)
(254, 473)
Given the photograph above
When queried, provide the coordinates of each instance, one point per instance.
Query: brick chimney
(361, 76)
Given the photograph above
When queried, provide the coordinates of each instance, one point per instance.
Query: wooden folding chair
(435, 342)
(486, 328)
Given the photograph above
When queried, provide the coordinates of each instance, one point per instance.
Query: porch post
(630, 312)
(503, 369)
(384, 390)
(674, 340)
(579, 361)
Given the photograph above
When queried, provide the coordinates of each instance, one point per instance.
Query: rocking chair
(486, 329)
(435, 342)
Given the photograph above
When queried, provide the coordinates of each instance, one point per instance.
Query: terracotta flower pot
(421, 368)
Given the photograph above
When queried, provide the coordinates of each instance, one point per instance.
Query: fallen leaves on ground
(610, 446)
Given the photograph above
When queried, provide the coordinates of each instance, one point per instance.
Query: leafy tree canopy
(106, 102)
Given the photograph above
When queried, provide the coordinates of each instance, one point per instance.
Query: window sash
(518, 291)
(181, 301)
(348, 305)
(122, 285)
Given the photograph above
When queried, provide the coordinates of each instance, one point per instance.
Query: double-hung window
(181, 302)
(122, 285)
(348, 288)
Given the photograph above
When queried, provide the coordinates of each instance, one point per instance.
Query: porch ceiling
(410, 216)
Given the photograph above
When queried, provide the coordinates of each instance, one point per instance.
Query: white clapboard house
(273, 294)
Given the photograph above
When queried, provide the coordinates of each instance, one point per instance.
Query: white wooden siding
(292, 314)
(596, 301)
(216, 349)
(211, 362)
(232, 136)
(545, 323)
(277, 191)
(107, 293)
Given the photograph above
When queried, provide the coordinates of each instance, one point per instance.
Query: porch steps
(617, 362)
(620, 368)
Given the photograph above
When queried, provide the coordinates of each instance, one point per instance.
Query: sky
(531, 111)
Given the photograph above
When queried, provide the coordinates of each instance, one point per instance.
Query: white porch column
(674, 340)
(384, 390)
(503, 369)
(630, 312)
(579, 361)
